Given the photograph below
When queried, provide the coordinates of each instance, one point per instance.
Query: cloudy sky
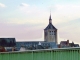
(26, 19)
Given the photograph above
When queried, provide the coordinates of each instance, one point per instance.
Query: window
(50, 32)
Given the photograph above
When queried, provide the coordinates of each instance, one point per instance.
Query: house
(64, 44)
(7, 43)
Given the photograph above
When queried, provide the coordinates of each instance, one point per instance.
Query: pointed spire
(50, 17)
(50, 20)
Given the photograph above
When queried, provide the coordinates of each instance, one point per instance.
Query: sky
(25, 20)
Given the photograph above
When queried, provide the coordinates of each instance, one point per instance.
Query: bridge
(44, 54)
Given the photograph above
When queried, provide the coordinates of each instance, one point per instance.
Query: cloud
(2, 5)
(30, 9)
(24, 5)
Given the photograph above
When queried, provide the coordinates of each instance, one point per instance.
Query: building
(50, 32)
(50, 41)
(73, 44)
(64, 44)
(7, 44)
(32, 45)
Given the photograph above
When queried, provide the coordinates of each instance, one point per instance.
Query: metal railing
(43, 54)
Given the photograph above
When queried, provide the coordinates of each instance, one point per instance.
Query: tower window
(50, 32)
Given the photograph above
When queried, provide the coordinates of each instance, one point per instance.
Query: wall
(50, 35)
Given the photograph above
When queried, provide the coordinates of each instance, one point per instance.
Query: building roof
(35, 45)
(7, 42)
(50, 26)
(65, 41)
(73, 45)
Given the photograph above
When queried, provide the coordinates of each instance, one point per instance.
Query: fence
(47, 54)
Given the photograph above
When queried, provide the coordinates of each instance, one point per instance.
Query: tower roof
(50, 20)
(50, 25)
(50, 17)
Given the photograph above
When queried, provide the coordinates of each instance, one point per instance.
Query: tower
(50, 32)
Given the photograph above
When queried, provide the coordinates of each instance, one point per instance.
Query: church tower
(50, 32)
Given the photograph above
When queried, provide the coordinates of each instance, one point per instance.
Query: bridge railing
(44, 54)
